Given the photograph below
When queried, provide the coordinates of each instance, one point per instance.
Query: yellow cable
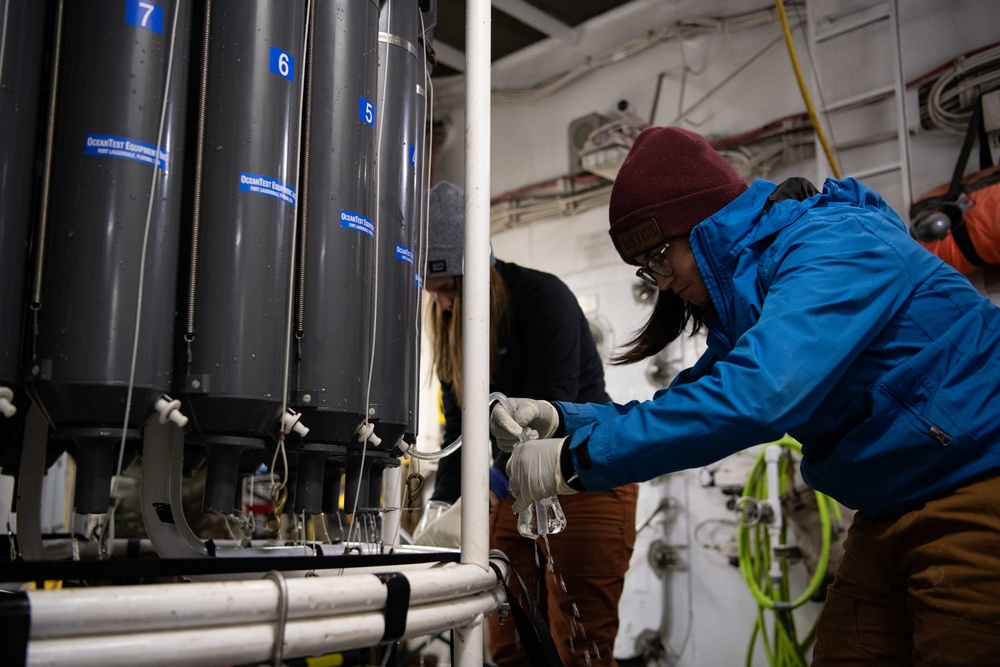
(813, 118)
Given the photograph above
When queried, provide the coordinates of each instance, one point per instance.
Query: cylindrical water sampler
(420, 193)
(332, 346)
(398, 179)
(108, 231)
(22, 53)
(236, 324)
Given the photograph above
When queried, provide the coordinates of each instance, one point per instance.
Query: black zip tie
(397, 605)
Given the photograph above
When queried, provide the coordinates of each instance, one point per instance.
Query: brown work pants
(923, 589)
(579, 596)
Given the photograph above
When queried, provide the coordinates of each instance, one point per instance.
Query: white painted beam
(539, 20)
(450, 56)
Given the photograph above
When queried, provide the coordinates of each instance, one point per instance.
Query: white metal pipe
(253, 643)
(772, 458)
(136, 609)
(469, 643)
(475, 289)
(392, 494)
(476, 312)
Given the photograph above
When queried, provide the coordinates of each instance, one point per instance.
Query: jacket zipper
(941, 436)
(936, 432)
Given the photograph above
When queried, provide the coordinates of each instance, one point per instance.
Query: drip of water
(578, 633)
(548, 551)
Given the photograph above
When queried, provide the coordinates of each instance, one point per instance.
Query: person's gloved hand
(508, 418)
(535, 473)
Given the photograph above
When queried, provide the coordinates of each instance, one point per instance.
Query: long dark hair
(670, 318)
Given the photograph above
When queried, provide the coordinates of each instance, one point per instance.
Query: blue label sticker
(357, 222)
(366, 112)
(413, 154)
(266, 185)
(148, 15)
(130, 149)
(282, 63)
(418, 281)
(404, 254)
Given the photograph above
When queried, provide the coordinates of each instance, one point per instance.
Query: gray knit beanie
(446, 235)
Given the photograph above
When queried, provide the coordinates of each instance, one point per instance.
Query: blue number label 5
(366, 111)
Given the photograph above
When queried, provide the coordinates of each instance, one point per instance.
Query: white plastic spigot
(291, 421)
(7, 407)
(772, 459)
(366, 432)
(168, 409)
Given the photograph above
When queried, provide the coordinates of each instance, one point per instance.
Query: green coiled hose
(755, 554)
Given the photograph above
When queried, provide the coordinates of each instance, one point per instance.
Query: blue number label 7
(146, 15)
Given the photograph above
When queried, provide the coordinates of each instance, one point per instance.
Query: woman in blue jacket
(825, 321)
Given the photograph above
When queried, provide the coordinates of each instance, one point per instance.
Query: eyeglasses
(657, 264)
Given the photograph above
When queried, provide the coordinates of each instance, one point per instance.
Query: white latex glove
(534, 472)
(508, 418)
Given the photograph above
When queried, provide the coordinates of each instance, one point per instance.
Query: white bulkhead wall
(701, 610)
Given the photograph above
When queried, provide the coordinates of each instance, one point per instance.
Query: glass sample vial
(542, 517)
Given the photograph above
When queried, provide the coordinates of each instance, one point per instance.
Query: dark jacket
(547, 352)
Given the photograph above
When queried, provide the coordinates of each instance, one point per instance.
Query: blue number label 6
(282, 63)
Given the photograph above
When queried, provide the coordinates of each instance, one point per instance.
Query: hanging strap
(971, 132)
(536, 639)
(959, 231)
(985, 154)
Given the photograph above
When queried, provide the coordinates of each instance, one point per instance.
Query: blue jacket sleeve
(829, 292)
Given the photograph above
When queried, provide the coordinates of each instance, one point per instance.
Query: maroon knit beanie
(671, 180)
